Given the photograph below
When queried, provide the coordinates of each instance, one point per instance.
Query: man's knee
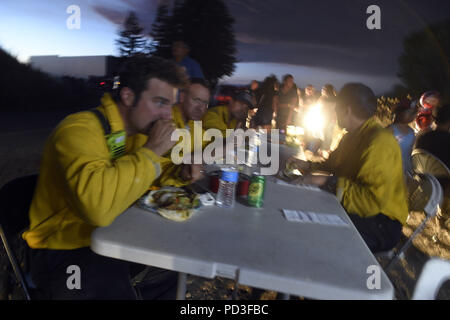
(158, 284)
(379, 232)
(80, 274)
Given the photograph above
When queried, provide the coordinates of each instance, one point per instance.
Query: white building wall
(80, 67)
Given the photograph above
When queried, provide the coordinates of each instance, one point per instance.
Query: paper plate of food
(289, 173)
(172, 203)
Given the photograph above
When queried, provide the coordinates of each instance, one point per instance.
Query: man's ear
(127, 96)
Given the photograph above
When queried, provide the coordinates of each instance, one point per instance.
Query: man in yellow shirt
(367, 169)
(192, 108)
(95, 165)
(231, 116)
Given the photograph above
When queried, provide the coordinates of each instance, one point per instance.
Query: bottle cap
(230, 175)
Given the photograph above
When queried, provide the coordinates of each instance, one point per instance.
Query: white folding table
(258, 247)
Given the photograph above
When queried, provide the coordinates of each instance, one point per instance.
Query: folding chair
(433, 276)
(425, 162)
(15, 201)
(426, 197)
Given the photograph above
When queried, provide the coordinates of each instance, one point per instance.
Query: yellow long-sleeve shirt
(368, 164)
(171, 171)
(219, 118)
(80, 187)
(196, 134)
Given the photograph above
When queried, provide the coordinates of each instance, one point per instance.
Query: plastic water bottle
(227, 188)
(254, 143)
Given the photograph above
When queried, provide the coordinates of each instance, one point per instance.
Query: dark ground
(22, 140)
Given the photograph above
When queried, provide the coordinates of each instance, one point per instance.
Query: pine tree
(131, 41)
(160, 33)
(207, 27)
(424, 63)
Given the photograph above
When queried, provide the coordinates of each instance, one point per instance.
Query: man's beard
(197, 116)
(147, 128)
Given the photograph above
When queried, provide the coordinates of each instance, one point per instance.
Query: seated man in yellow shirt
(192, 108)
(368, 168)
(231, 116)
(95, 165)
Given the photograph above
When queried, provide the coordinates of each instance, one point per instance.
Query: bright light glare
(294, 131)
(314, 121)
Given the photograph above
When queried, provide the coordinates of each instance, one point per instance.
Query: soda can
(244, 183)
(256, 190)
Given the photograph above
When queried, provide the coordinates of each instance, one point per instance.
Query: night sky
(317, 41)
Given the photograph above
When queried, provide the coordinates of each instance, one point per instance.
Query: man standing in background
(180, 52)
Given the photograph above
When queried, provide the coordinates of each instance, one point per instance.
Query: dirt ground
(21, 149)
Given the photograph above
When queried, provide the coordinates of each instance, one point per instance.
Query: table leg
(234, 295)
(181, 289)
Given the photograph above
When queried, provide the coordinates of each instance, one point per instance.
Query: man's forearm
(323, 166)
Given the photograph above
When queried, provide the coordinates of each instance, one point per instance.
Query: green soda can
(256, 190)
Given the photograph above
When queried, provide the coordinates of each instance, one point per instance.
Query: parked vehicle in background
(223, 93)
(103, 84)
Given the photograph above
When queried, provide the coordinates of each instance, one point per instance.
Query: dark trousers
(99, 277)
(282, 118)
(379, 232)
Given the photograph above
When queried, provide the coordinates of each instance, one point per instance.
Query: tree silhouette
(424, 63)
(207, 27)
(160, 33)
(131, 41)
(22, 83)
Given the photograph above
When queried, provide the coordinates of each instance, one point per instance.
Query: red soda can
(244, 182)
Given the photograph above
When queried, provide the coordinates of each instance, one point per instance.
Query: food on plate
(172, 203)
(175, 200)
(176, 215)
(291, 171)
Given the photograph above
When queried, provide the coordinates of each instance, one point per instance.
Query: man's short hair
(287, 76)
(442, 114)
(360, 98)
(201, 82)
(244, 96)
(184, 43)
(136, 72)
